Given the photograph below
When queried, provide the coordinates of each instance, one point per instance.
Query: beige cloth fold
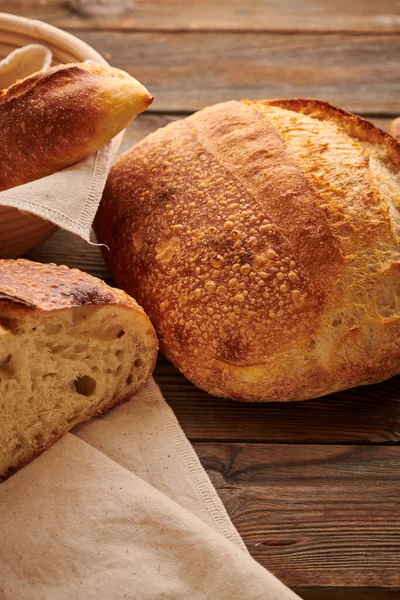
(122, 508)
(71, 197)
(146, 427)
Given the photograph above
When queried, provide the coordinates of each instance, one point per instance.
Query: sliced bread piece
(70, 347)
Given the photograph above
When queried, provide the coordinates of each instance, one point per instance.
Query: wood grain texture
(187, 71)
(314, 515)
(267, 15)
(347, 593)
(364, 415)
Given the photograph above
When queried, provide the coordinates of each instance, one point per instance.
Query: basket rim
(44, 32)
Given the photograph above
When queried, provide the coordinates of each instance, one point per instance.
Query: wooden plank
(362, 415)
(267, 15)
(187, 71)
(65, 248)
(348, 593)
(314, 515)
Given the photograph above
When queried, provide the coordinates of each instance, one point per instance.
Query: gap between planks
(347, 593)
(288, 442)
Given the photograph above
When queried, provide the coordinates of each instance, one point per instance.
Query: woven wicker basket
(20, 232)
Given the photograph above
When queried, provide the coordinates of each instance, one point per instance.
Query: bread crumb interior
(58, 368)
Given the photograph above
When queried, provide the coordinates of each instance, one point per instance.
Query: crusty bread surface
(263, 240)
(55, 118)
(70, 347)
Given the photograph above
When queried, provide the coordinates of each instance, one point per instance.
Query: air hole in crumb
(109, 333)
(57, 349)
(7, 366)
(129, 380)
(73, 419)
(9, 323)
(138, 362)
(40, 439)
(120, 353)
(79, 348)
(49, 375)
(84, 385)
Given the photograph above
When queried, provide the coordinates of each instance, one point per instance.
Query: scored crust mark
(347, 172)
(353, 125)
(211, 255)
(52, 77)
(355, 184)
(254, 151)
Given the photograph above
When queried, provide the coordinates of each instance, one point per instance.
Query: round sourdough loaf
(262, 238)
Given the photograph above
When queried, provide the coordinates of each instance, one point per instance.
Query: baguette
(56, 118)
(70, 347)
(263, 240)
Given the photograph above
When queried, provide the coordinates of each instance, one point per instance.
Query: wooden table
(313, 487)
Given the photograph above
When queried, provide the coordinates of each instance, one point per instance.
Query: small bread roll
(263, 240)
(70, 347)
(56, 118)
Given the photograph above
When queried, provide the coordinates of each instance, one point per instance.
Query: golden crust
(54, 119)
(262, 238)
(353, 125)
(25, 284)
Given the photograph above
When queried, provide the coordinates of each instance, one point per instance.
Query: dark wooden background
(313, 487)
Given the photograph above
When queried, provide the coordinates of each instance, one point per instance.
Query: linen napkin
(121, 506)
(69, 198)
